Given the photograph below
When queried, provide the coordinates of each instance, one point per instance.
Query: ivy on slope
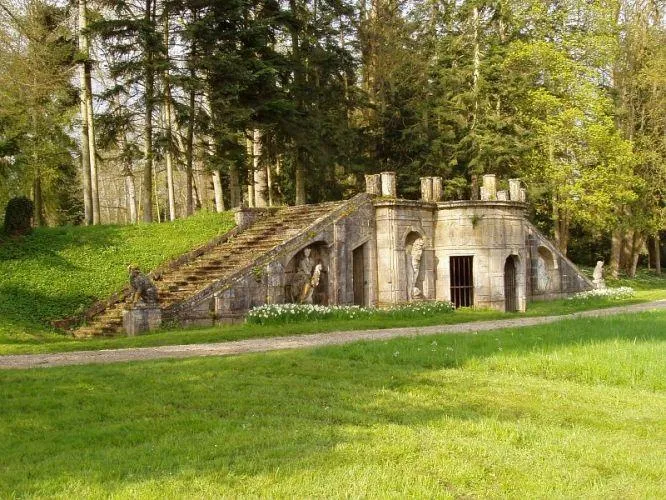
(57, 272)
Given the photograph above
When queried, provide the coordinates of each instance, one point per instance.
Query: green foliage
(57, 272)
(563, 412)
(18, 216)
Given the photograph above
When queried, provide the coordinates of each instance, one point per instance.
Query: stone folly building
(379, 250)
(373, 250)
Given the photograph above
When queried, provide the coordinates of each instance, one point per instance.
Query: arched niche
(414, 246)
(545, 271)
(307, 275)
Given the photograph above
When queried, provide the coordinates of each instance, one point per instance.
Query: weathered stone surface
(141, 319)
(426, 189)
(514, 190)
(437, 189)
(373, 184)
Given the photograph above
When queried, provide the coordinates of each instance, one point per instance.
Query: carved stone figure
(598, 275)
(144, 290)
(311, 285)
(416, 255)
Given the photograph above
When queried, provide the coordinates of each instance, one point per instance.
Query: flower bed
(293, 313)
(623, 292)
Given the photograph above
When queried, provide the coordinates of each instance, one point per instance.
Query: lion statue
(144, 291)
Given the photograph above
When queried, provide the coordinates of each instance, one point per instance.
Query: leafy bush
(18, 216)
(276, 314)
(623, 292)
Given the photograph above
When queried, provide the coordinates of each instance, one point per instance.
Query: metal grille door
(462, 280)
(510, 304)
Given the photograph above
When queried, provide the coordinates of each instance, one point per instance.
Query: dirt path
(25, 361)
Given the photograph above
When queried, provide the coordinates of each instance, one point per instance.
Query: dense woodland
(127, 111)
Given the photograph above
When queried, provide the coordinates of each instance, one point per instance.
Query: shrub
(18, 216)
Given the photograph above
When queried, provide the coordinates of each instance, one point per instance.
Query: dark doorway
(510, 302)
(462, 280)
(358, 276)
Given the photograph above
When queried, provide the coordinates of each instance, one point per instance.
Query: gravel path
(25, 361)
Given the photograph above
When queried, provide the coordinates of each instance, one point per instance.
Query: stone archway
(511, 284)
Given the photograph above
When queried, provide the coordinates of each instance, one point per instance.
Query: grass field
(576, 409)
(56, 272)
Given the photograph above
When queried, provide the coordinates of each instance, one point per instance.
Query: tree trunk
(657, 253)
(85, 142)
(476, 61)
(147, 187)
(92, 149)
(189, 174)
(217, 187)
(616, 251)
(130, 191)
(300, 184)
(234, 187)
(38, 200)
(260, 174)
(560, 228)
(168, 131)
(249, 146)
(636, 246)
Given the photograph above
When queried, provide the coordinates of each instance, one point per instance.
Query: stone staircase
(217, 262)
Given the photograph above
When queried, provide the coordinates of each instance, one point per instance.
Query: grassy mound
(57, 272)
(555, 411)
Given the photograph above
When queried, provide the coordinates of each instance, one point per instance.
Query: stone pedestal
(437, 189)
(490, 183)
(426, 189)
(141, 319)
(514, 189)
(502, 195)
(389, 188)
(373, 184)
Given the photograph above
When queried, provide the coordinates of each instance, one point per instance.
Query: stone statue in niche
(307, 277)
(144, 291)
(542, 275)
(310, 286)
(416, 255)
(598, 275)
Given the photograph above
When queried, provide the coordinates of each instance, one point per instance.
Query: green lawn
(56, 272)
(575, 409)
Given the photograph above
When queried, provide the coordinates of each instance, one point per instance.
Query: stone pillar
(503, 195)
(389, 187)
(141, 319)
(523, 195)
(485, 195)
(437, 189)
(490, 183)
(426, 189)
(373, 184)
(514, 189)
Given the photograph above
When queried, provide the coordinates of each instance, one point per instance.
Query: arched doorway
(510, 287)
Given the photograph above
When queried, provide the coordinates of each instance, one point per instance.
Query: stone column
(426, 189)
(490, 183)
(437, 189)
(485, 195)
(514, 189)
(389, 187)
(523, 195)
(503, 195)
(373, 184)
